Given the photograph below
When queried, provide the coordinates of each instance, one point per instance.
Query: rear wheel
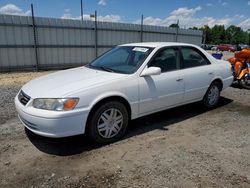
(108, 123)
(245, 81)
(212, 95)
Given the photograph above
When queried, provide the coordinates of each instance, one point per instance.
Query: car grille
(23, 98)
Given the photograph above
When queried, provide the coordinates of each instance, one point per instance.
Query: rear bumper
(227, 82)
(53, 127)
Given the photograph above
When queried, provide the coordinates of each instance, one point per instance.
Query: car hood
(65, 83)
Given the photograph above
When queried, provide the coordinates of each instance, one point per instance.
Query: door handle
(211, 73)
(179, 79)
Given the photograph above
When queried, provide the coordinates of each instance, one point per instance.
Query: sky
(190, 13)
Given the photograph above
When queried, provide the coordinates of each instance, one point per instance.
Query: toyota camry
(127, 82)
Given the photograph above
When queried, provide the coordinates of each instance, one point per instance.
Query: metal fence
(49, 43)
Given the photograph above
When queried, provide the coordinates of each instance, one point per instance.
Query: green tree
(207, 32)
(174, 25)
(236, 34)
(194, 28)
(219, 35)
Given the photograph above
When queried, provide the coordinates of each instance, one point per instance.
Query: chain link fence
(34, 43)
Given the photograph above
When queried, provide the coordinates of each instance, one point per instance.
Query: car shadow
(236, 85)
(81, 143)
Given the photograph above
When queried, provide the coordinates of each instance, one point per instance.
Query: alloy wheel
(110, 123)
(213, 95)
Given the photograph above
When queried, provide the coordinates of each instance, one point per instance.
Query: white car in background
(127, 82)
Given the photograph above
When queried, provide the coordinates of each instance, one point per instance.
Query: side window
(165, 59)
(193, 58)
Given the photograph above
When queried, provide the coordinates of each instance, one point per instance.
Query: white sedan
(127, 82)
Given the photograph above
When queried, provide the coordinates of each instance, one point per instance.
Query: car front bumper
(56, 124)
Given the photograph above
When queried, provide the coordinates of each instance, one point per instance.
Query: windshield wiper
(106, 69)
(100, 67)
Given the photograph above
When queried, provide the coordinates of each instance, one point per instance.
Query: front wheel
(108, 123)
(212, 95)
(245, 81)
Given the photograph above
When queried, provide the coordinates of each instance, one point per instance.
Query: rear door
(197, 73)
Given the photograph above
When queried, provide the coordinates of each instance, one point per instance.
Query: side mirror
(151, 71)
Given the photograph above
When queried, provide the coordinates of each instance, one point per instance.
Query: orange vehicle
(241, 67)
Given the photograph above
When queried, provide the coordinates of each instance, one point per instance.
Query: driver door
(158, 92)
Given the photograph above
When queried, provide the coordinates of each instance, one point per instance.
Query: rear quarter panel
(224, 72)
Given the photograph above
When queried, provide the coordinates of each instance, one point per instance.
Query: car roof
(158, 44)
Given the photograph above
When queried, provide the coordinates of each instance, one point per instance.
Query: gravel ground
(182, 147)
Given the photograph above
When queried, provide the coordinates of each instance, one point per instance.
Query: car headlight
(55, 104)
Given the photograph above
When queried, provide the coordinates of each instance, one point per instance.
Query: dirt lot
(182, 147)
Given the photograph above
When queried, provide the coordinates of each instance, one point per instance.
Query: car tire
(212, 96)
(108, 122)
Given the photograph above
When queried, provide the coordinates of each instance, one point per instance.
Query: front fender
(107, 95)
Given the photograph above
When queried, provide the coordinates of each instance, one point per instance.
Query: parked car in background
(207, 46)
(204, 46)
(242, 46)
(214, 48)
(128, 82)
(227, 47)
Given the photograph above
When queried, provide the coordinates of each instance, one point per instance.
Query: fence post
(142, 28)
(177, 31)
(35, 37)
(204, 37)
(96, 39)
(81, 11)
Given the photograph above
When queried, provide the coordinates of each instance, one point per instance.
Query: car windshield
(122, 59)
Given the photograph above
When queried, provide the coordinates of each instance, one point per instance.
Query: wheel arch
(218, 80)
(110, 97)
